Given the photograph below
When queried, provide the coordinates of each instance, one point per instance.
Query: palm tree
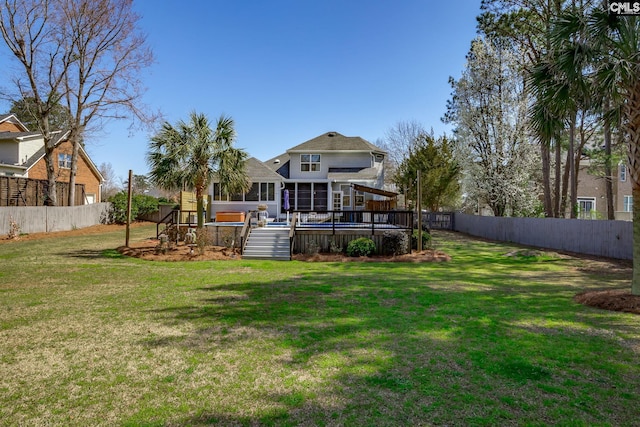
(189, 155)
(616, 39)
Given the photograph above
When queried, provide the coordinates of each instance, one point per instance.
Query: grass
(90, 337)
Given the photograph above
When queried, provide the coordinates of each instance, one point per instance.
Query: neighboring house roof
(18, 135)
(83, 153)
(333, 141)
(13, 119)
(58, 137)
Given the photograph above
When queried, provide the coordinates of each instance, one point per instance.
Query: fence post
(129, 207)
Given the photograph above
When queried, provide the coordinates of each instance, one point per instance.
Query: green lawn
(88, 337)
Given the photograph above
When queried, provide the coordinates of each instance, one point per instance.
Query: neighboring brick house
(22, 156)
(592, 199)
(329, 172)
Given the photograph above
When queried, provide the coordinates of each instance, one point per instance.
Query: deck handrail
(357, 219)
(245, 231)
(175, 219)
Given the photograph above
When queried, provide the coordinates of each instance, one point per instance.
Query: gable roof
(13, 119)
(334, 141)
(258, 171)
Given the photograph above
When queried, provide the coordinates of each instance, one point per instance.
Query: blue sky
(289, 70)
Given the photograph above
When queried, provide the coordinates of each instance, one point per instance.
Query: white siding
(329, 160)
(29, 148)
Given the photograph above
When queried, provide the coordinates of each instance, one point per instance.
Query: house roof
(258, 171)
(18, 135)
(13, 119)
(334, 141)
(342, 174)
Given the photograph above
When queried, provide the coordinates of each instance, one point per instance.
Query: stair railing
(246, 229)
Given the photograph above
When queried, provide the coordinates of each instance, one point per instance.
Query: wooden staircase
(269, 243)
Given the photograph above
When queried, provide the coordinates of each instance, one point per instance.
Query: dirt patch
(94, 229)
(614, 300)
(149, 250)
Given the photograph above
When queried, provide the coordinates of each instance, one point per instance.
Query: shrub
(312, 248)
(361, 247)
(140, 205)
(334, 247)
(395, 242)
(426, 240)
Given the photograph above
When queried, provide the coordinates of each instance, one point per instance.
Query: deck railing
(336, 220)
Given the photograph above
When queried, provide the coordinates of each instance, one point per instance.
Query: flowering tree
(489, 109)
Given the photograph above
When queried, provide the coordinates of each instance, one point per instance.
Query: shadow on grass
(404, 344)
(93, 254)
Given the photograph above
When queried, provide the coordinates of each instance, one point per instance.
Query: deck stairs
(270, 243)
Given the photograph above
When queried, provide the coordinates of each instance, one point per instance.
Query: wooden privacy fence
(612, 239)
(35, 192)
(36, 219)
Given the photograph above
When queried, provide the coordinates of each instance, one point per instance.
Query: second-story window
(310, 162)
(64, 161)
(623, 172)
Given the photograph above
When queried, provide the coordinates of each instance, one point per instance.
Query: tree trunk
(558, 213)
(573, 180)
(608, 175)
(546, 179)
(74, 169)
(200, 207)
(52, 196)
(632, 113)
(635, 281)
(565, 187)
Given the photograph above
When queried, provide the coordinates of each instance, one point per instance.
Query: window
(267, 191)
(623, 172)
(628, 204)
(259, 192)
(253, 194)
(346, 195)
(64, 161)
(359, 196)
(310, 162)
(586, 208)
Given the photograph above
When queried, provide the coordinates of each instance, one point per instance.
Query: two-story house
(592, 202)
(329, 172)
(22, 156)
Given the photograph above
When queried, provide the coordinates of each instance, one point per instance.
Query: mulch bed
(614, 300)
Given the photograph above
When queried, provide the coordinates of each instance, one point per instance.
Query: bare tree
(108, 53)
(398, 142)
(29, 33)
(109, 187)
(88, 51)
